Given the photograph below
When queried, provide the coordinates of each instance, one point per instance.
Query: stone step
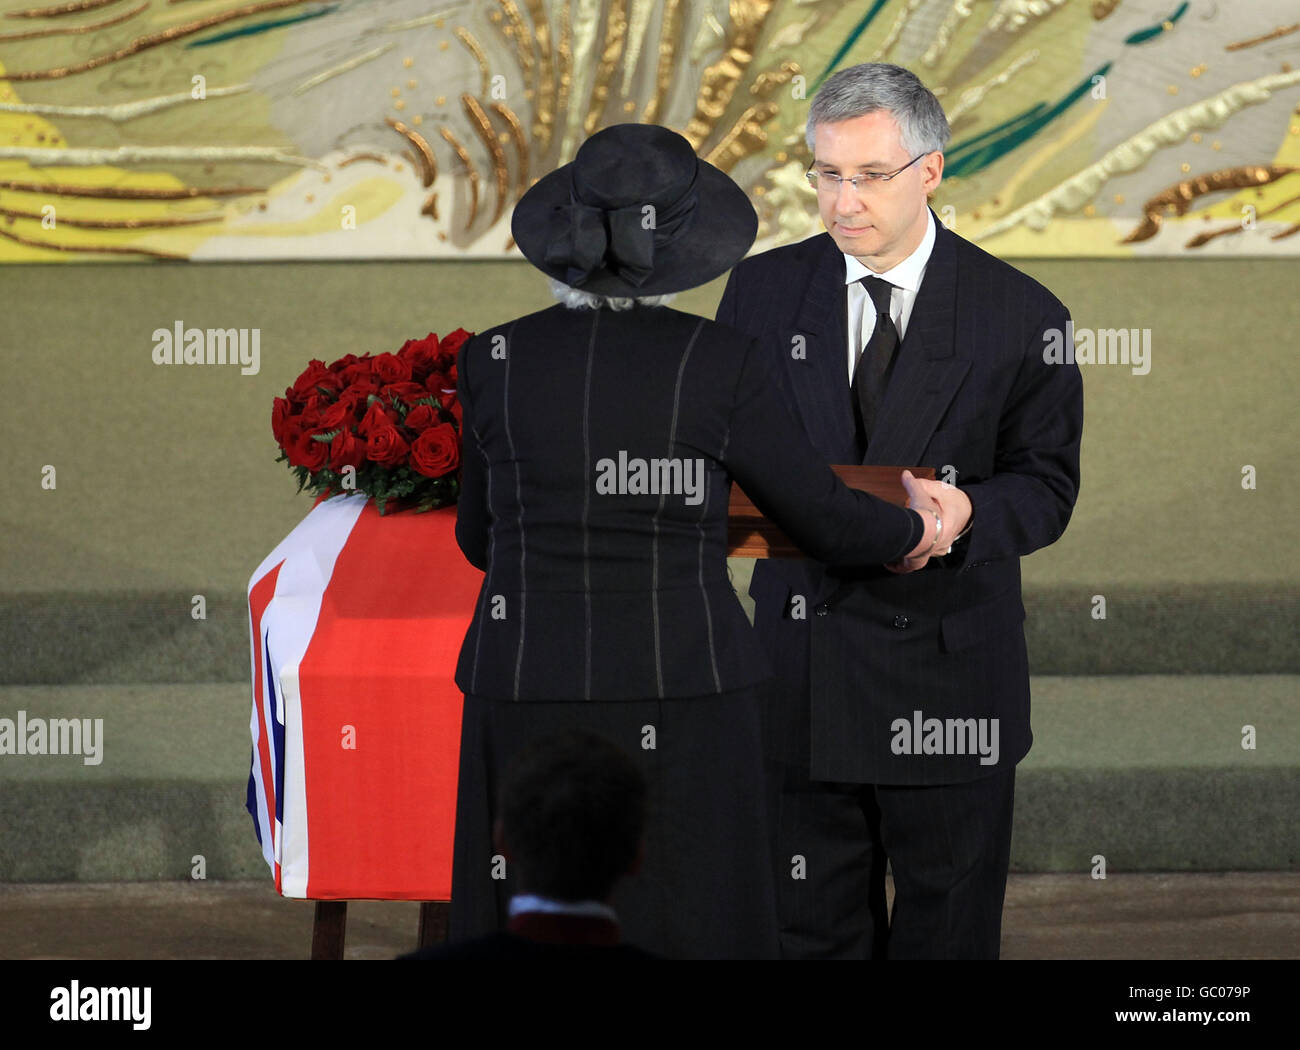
(124, 637)
(1147, 771)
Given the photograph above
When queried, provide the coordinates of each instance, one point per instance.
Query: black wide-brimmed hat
(635, 213)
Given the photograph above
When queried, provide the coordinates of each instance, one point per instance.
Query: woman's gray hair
(873, 86)
(577, 299)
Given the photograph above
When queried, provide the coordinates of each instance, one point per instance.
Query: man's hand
(952, 506)
(955, 509)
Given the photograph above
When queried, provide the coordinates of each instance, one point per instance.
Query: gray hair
(577, 299)
(873, 86)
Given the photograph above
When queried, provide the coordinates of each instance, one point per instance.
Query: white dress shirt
(531, 902)
(906, 279)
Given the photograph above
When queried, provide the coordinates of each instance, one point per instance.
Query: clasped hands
(937, 502)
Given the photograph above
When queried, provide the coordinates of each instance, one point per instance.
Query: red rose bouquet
(385, 424)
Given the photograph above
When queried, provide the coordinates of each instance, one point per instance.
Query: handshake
(946, 510)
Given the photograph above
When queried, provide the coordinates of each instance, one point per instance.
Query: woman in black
(599, 447)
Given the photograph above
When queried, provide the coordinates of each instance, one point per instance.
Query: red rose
(356, 400)
(346, 451)
(441, 385)
(415, 347)
(440, 389)
(314, 374)
(436, 451)
(308, 453)
(451, 344)
(385, 446)
(313, 380)
(293, 428)
(376, 416)
(364, 387)
(422, 354)
(317, 402)
(359, 371)
(279, 413)
(334, 416)
(389, 368)
(408, 392)
(343, 362)
(421, 417)
(455, 409)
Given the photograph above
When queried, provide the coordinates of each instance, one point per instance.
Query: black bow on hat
(635, 213)
(624, 239)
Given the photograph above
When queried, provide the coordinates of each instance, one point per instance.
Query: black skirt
(705, 890)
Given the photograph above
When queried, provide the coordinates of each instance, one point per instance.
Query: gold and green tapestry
(289, 129)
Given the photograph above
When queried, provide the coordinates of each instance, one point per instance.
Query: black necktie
(871, 372)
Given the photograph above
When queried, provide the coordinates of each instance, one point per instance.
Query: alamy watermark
(1099, 346)
(92, 1003)
(946, 736)
(179, 345)
(53, 736)
(633, 476)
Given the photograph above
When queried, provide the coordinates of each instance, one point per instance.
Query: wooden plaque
(750, 535)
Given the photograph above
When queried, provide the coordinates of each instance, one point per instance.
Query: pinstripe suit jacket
(969, 390)
(595, 590)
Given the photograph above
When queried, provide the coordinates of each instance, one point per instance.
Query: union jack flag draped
(355, 624)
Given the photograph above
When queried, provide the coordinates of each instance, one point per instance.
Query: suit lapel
(820, 383)
(928, 369)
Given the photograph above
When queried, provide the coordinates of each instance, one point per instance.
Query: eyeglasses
(830, 183)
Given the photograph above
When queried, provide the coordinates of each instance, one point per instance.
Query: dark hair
(572, 814)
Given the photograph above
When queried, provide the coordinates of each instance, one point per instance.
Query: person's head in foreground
(572, 816)
(879, 125)
(633, 219)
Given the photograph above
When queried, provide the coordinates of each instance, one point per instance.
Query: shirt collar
(531, 902)
(907, 274)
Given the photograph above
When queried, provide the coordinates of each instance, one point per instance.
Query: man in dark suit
(572, 823)
(906, 699)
